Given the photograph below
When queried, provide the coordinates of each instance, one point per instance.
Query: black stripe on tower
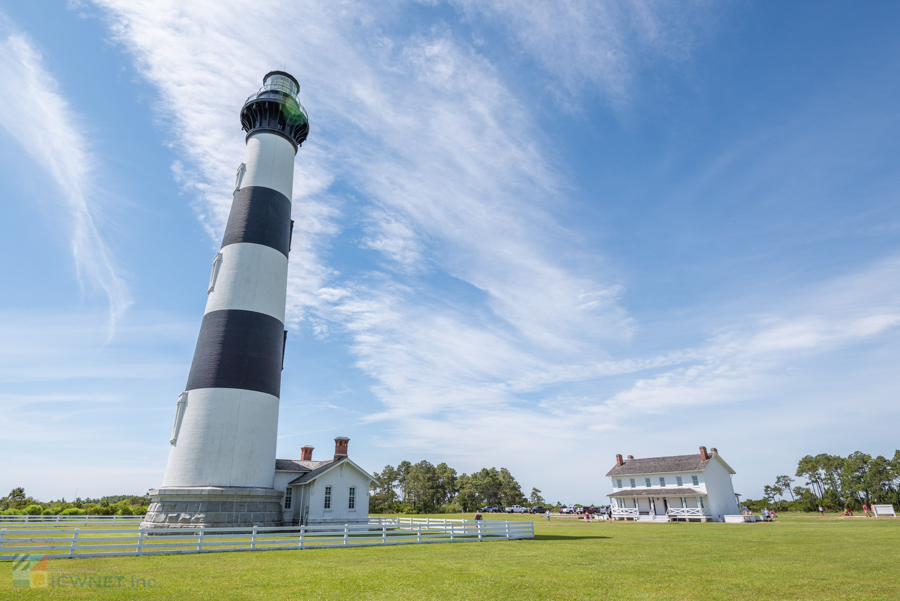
(260, 215)
(238, 349)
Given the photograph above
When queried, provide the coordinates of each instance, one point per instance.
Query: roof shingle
(660, 465)
(297, 465)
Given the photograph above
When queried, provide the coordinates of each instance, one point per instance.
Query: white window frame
(695, 480)
(633, 484)
(647, 482)
(662, 481)
(287, 497)
(618, 483)
(239, 176)
(217, 262)
(179, 416)
(351, 498)
(679, 481)
(327, 497)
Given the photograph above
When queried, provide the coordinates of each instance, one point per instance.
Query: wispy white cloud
(447, 163)
(596, 45)
(35, 114)
(451, 175)
(745, 361)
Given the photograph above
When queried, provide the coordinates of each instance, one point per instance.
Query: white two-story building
(686, 487)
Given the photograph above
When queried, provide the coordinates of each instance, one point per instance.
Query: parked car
(516, 509)
(538, 509)
(566, 509)
(590, 510)
(491, 509)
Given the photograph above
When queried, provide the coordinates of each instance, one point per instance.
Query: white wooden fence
(96, 542)
(25, 521)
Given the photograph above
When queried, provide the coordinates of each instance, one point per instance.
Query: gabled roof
(327, 467)
(660, 465)
(298, 465)
(658, 492)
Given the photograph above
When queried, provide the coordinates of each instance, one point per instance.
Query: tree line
(836, 483)
(425, 488)
(18, 503)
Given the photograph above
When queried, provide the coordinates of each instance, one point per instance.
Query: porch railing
(688, 512)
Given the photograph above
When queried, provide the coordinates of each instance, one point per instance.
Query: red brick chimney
(631, 456)
(340, 447)
(306, 453)
(713, 451)
(619, 461)
(703, 454)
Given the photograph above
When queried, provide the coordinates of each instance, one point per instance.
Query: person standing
(548, 515)
(821, 511)
(866, 509)
(478, 516)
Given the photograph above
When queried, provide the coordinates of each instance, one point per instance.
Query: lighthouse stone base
(213, 507)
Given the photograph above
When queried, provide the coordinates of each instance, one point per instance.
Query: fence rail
(625, 512)
(26, 521)
(159, 541)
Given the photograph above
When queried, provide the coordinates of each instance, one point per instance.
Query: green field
(799, 557)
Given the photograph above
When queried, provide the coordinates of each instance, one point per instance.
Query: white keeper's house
(323, 492)
(680, 487)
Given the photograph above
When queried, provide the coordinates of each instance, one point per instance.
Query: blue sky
(530, 235)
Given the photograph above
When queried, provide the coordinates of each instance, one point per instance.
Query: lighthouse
(221, 465)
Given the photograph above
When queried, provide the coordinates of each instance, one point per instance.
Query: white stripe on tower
(269, 162)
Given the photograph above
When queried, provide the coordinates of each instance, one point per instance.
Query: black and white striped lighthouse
(222, 461)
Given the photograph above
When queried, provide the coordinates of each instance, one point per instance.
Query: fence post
(2, 536)
(451, 533)
(478, 525)
(140, 541)
(302, 530)
(418, 533)
(26, 518)
(86, 520)
(532, 529)
(200, 539)
(383, 534)
(74, 542)
(57, 521)
(507, 530)
(253, 539)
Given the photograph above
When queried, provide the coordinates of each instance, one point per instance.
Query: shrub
(11, 511)
(123, 509)
(73, 511)
(140, 510)
(48, 511)
(33, 510)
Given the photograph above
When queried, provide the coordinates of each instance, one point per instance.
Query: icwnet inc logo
(30, 571)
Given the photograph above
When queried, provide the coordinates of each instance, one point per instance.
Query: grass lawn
(799, 557)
